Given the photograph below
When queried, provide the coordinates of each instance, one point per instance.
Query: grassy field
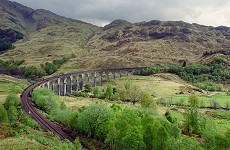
(205, 100)
(169, 88)
(21, 143)
(159, 85)
(10, 84)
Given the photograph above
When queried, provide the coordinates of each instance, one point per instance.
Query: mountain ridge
(118, 44)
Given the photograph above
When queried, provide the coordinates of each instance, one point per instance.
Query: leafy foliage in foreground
(142, 128)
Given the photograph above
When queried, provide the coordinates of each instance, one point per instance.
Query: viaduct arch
(66, 83)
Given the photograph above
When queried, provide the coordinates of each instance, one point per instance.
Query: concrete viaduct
(67, 83)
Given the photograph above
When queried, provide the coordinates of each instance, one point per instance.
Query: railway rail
(44, 123)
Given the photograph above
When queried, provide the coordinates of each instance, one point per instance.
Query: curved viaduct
(67, 83)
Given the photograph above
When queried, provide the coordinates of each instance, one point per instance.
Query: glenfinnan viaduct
(67, 83)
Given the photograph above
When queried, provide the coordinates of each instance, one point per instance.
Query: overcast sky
(101, 12)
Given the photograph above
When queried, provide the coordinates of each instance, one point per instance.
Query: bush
(45, 99)
(88, 88)
(75, 93)
(33, 72)
(11, 100)
(168, 116)
(12, 114)
(3, 115)
(77, 144)
(92, 118)
(83, 94)
(227, 105)
(29, 122)
(109, 92)
(214, 104)
(147, 101)
(209, 86)
(96, 92)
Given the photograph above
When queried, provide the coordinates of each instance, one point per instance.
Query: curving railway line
(47, 125)
(44, 123)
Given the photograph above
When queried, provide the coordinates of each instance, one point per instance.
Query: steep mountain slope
(119, 44)
(159, 42)
(47, 35)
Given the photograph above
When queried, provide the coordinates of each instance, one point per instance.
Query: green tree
(193, 101)
(92, 117)
(11, 100)
(134, 94)
(169, 117)
(33, 72)
(96, 92)
(120, 93)
(88, 88)
(45, 99)
(3, 115)
(29, 122)
(147, 101)
(109, 92)
(162, 139)
(133, 139)
(12, 114)
(77, 144)
(120, 135)
(192, 117)
(73, 121)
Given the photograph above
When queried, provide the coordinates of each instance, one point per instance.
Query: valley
(127, 85)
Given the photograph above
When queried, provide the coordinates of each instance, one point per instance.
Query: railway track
(44, 123)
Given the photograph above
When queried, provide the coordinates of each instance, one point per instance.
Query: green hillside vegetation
(14, 67)
(17, 130)
(11, 85)
(7, 37)
(121, 127)
(205, 75)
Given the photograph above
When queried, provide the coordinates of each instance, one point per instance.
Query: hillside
(46, 35)
(118, 44)
(151, 42)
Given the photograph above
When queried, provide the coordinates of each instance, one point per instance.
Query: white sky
(101, 12)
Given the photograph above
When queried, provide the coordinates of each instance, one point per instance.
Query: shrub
(3, 115)
(88, 88)
(29, 122)
(96, 92)
(168, 116)
(45, 99)
(33, 72)
(181, 102)
(12, 114)
(147, 101)
(214, 104)
(94, 116)
(227, 105)
(193, 101)
(77, 144)
(75, 93)
(83, 94)
(11, 100)
(228, 93)
(61, 116)
(109, 92)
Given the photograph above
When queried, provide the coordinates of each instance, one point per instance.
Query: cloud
(101, 12)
